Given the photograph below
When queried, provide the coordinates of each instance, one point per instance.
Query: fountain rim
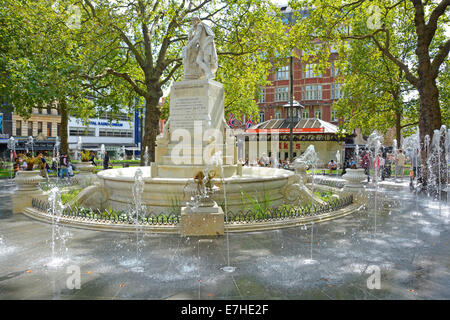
(281, 175)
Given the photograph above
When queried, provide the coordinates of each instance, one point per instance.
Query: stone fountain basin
(164, 195)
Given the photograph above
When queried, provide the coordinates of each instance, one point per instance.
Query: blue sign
(105, 123)
(1, 122)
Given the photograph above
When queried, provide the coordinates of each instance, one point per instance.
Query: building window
(39, 127)
(282, 73)
(312, 92)
(278, 115)
(261, 117)
(282, 94)
(336, 92)
(308, 72)
(305, 114)
(40, 110)
(333, 116)
(262, 95)
(49, 110)
(49, 129)
(334, 71)
(18, 127)
(73, 131)
(318, 113)
(114, 116)
(116, 133)
(30, 128)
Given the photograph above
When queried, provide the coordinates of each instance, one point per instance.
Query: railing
(150, 218)
(289, 212)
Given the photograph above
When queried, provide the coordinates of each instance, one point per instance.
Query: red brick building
(316, 92)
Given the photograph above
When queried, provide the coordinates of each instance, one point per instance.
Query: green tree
(43, 59)
(339, 22)
(151, 35)
(375, 92)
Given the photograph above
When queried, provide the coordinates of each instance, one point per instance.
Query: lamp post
(291, 106)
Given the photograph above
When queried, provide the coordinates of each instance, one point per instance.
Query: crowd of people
(265, 161)
(381, 164)
(63, 167)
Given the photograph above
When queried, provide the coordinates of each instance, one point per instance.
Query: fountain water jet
(58, 237)
(138, 189)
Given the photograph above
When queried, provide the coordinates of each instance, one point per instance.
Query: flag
(249, 123)
(231, 120)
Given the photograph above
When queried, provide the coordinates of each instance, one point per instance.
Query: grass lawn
(5, 173)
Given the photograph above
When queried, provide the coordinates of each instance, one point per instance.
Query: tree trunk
(429, 119)
(398, 126)
(151, 126)
(64, 122)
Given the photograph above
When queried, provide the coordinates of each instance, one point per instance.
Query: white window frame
(261, 116)
(308, 72)
(305, 114)
(312, 92)
(318, 113)
(282, 94)
(333, 115)
(282, 73)
(262, 95)
(336, 92)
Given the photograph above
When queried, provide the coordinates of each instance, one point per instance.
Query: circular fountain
(196, 142)
(162, 194)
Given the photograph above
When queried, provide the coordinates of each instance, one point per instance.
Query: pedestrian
(106, 161)
(70, 169)
(92, 158)
(43, 165)
(264, 160)
(399, 164)
(365, 163)
(64, 166)
(332, 166)
(16, 165)
(352, 162)
(378, 166)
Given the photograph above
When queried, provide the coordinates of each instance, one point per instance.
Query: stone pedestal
(202, 221)
(28, 188)
(86, 173)
(354, 185)
(195, 131)
(85, 168)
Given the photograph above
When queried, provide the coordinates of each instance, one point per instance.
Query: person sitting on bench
(332, 166)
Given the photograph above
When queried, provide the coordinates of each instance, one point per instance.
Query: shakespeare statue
(199, 55)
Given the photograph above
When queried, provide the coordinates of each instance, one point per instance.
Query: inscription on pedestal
(185, 111)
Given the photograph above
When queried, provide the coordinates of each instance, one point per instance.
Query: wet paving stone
(405, 237)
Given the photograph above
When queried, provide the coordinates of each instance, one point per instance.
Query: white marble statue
(199, 55)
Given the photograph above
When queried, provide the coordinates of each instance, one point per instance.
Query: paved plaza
(403, 236)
